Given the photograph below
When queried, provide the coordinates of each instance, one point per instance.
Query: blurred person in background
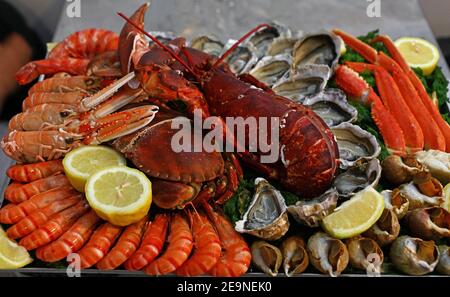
(18, 45)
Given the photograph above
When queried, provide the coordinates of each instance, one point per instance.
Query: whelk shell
(398, 170)
(437, 162)
(364, 252)
(418, 199)
(443, 265)
(396, 201)
(431, 223)
(295, 257)
(266, 257)
(386, 229)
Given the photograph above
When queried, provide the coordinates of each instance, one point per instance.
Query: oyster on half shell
(270, 69)
(242, 59)
(208, 44)
(266, 216)
(332, 106)
(263, 38)
(355, 144)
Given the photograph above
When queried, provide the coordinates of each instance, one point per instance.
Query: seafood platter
(361, 185)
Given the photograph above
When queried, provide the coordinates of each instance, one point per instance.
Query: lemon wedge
(12, 255)
(80, 163)
(119, 194)
(418, 53)
(356, 215)
(446, 203)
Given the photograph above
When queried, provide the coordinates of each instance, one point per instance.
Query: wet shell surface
(437, 162)
(295, 256)
(386, 229)
(332, 106)
(355, 144)
(281, 45)
(396, 201)
(417, 199)
(443, 266)
(363, 174)
(364, 252)
(266, 257)
(266, 216)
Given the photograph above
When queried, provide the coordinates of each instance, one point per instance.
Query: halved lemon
(80, 163)
(419, 53)
(119, 194)
(446, 203)
(356, 215)
(12, 255)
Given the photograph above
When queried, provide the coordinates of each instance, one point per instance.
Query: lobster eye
(64, 114)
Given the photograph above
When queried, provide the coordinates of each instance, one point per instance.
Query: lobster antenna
(166, 48)
(235, 45)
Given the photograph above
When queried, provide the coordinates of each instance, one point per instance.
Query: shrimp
(31, 172)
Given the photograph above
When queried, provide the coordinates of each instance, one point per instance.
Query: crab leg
(354, 86)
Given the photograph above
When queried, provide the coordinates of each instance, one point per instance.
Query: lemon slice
(446, 203)
(12, 255)
(356, 215)
(119, 194)
(418, 53)
(80, 163)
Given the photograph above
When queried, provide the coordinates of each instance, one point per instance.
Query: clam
(266, 216)
(332, 106)
(321, 48)
(355, 144)
(414, 256)
(266, 257)
(386, 229)
(363, 174)
(396, 201)
(423, 191)
(208, 44)
(431, 223)
(443, 265)
(437, 162)
(281, 45)
(327, 254)
(398, 170)
(307, 81)
(262, 39)
(295, 257)
(364, 252)
(311, 212)
(270, 69)
(242, 59)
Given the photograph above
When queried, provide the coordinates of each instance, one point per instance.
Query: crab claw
(131, 40)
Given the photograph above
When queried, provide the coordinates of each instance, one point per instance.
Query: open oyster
(431, 223)
(332, 106)
(242, 59)
(266, 216)
(443, 265)
(262, 39)
(363, 252)
(164, 37)
(437, 162)
(307, 81)
(281, 45)
(327, 254)
(270, 69)
(414, 256)
(320, 48)
(355, 144)
(311, 212)
(266, 257)
(386, 229)
(295, 257)
(423, 191)
(398, 170)
(208, 44)
(396, 201)
(363, 174)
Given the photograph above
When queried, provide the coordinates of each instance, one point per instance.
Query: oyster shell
(266, 257)
(321, 48)
(396, 201)
(262, 39)
(386, 229)
(416, 198)
(332, 106)
(414, 256)
(431, 223)
(164, 37)
(307, 81)
(360, 176)
(443, 265)
(437, 162)
(355, 144)
(266, 216)
(327, 254)
(281, 45)
(270, 69)
(208, 44)
(295, 257)
(242, 59)
(311, 212)
(363, 252)
(398, 170)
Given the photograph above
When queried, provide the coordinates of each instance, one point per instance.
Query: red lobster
(307, 148)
